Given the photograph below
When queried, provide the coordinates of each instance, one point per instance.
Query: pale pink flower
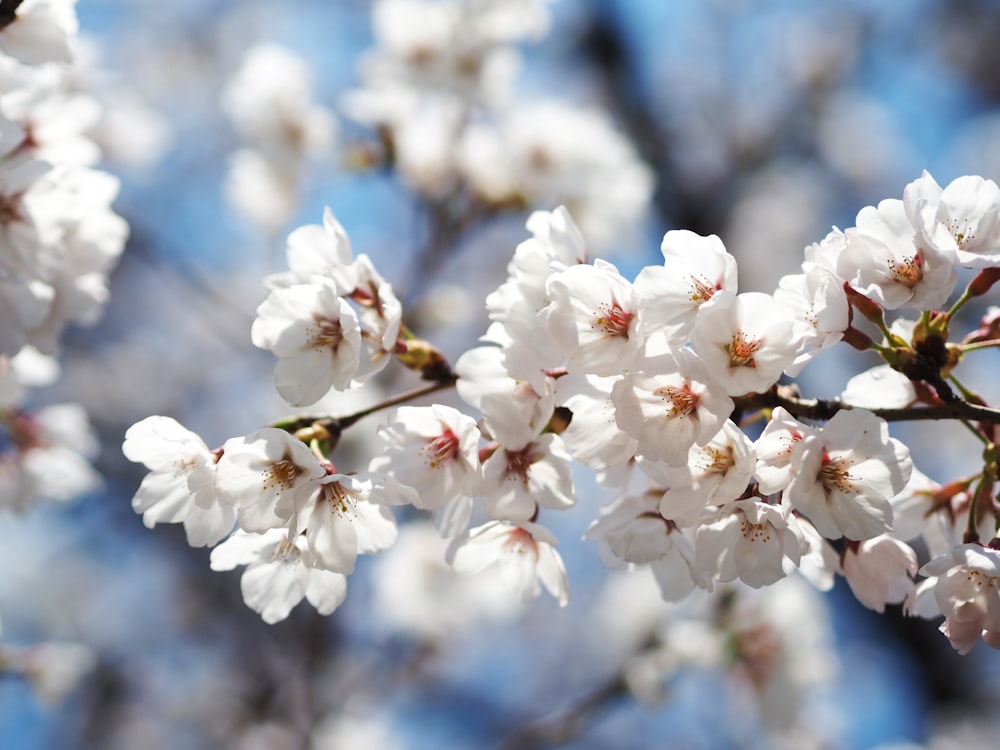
(967, 591)
(434, 450)
(845, 474)
(694, 269)
(315, 335)
(517, 481)
(670, 411)
(962, 221)
(525, 555)
(180, 487)
(594, 319)
(879, 571)
(749, 540)
(592, 436)
(819, 308)
(268, 476)
(277, 576)
(745, 341)
(886, 262)
(781, 437)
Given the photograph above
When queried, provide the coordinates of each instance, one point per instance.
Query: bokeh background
(764, 122)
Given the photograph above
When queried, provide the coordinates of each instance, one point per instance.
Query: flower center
(519, 464)
(682, 400)
(338, 498)
(960, 231)
(441, 449)
(521, 542)
(702, 289)
(328, 334)
(715, 460)
(909, 271)
(281, 474)
(834, 475)
(614, 320)
(755, 532)
(742, 349)
(285, 551)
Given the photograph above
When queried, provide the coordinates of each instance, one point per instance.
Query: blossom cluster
(59, 240)
(668, 386)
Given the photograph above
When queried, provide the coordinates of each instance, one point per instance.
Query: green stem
(979, 345)
(960, 303)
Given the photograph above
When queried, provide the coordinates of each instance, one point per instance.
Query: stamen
(682, 400)
(614, 320)
(741, 350)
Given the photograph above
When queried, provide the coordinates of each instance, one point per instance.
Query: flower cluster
(438, 89)
(642, 380)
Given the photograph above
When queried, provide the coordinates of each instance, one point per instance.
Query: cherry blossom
(524, 553)
(879, 571)
(315, 335)
(745, 340)
(269, 476)
(844, 476)
(968, 594)
(276, 576)
(434, 450)
(180, 487)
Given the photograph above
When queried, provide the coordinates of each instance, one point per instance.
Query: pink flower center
(519, 463)
(521, 542)
(834, 475)
(742, 349)
(614, 320)
(682, 400)
(702, 289)
(441, 449)
(281, 474)
(328, 334)
(909, 271)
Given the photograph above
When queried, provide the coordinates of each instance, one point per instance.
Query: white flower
(315, 335)
(594, 319)
(517, 481)
(277, 578)
(845, 474)
(319, 250)
(434, 450)
(879, 571)
(880, 387)
(524, 553)
(694, 269)
(670, 411)
(781, 437)
(341, 521)
(749, 540)
(962, 221)
(745, 341)
(180, 487)
(819, 308)
(592, 435)
(883, 262)
(716, 473)
(967, 592)
(269, 476)
(44, 31)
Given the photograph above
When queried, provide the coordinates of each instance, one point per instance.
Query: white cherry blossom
(524, 553)
(434, 450)
(749, 540)
(967, 592)
(594, 319)
(962, 221)
(845, 474)
(781, 437)
(694, 269)
(277, 577)
(269, 476)
(879, 571)
(886, 262)
(745, 341)
(668, 412)
(519, 480)
(180, 487)
(315, 335)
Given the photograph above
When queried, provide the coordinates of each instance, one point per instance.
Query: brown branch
(824, 409)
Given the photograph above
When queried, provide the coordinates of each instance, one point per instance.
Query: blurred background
(765, 122)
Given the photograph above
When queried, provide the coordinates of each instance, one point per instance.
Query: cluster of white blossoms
(650, 382)
(439, 89)
(269, 102)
